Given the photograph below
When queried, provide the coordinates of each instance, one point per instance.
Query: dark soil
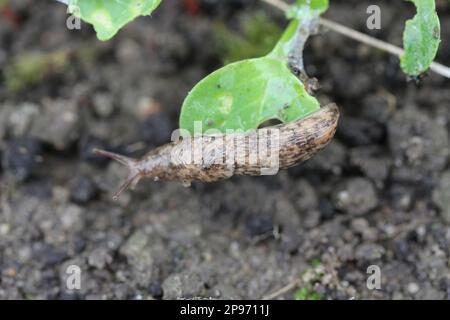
(378, 195)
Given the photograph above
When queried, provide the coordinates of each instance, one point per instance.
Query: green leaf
(245, 94)
(307, 9)
(421, 38)
(109, 16)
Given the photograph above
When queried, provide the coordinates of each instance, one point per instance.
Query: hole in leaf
(270, 123)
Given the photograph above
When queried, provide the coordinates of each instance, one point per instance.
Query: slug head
(133, 165)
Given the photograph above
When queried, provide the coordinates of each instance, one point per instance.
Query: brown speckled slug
(294, 142)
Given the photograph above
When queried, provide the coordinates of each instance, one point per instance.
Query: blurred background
(378, 195)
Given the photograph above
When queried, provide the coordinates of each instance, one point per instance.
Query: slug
(209, 158)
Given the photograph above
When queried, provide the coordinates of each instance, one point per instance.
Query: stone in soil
(103, 104)
(371, 162)
(258, 225)
(356, 196)
(378, 107)
(369, 252)
(20, 158)
(83, 190)
(441, 196)
(156, 129)
(142, 251)
(21, 119)
(155, 290)
(419, 145)
(100, 258)
(359, 132)
(184, 285)
(58, 125)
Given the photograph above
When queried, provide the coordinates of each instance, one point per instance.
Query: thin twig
(373, 42)
(283, 6)
(363, 38)
(291, 286)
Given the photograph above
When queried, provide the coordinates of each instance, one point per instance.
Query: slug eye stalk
(133, 165)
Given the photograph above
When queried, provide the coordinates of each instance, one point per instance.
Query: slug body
(209, 158)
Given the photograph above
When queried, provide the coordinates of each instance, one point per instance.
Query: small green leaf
(245, 94)
(421, 38)
(109, 16)
(307, 294)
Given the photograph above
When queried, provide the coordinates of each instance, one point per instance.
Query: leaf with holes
(245, 94)
(109, 16)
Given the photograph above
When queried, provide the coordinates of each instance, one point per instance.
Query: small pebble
(258, 225)
(156, 129)
(58, 124)
(21, 119)
(103, 104)
(441, 196)
(83, 190)
(20, 158)
(155, 290)
(369, 252)
(356, 196)
(359, 132)
(99, 258)
(413, 288)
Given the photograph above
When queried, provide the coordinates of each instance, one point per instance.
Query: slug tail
(135, 174)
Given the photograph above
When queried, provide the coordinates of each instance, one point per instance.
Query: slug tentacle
(133, 165)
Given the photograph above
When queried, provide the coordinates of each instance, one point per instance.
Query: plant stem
(363, 38)
(306, 28)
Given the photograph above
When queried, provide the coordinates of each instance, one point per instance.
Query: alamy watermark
(374, 279)
(73, 280)
(374, 19)
(73, 21)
